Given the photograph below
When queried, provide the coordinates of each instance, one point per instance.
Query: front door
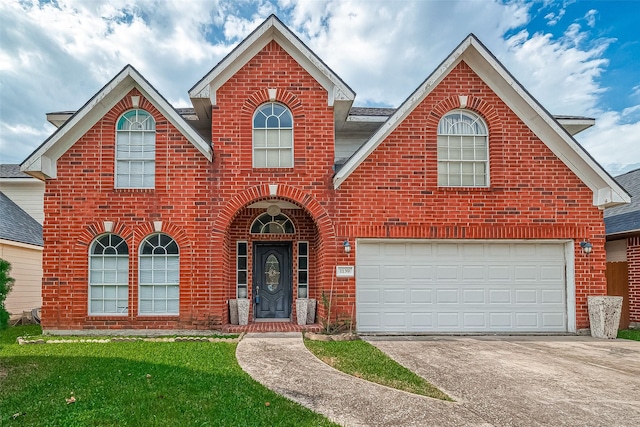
(272, 280)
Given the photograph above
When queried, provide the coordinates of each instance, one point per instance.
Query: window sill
(134, 190)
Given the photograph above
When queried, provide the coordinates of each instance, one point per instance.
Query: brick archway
(221, 236)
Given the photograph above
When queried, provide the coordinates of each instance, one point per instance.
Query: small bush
(6, 283)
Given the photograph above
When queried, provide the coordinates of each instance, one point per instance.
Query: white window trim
(267, 149)
(153, 285)
(486, 161)
(129, 161)
(90, 285)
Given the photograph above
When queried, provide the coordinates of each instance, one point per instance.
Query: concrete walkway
(282, 363)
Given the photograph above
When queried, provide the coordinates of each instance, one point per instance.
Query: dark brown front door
(272, 287)
(618, 285)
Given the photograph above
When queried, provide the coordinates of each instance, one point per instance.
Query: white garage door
(435, 286)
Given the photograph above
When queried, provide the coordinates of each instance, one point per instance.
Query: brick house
(462, 210)
(622, 226)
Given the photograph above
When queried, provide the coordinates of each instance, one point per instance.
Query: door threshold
(272, 320)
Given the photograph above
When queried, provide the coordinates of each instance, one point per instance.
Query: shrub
(6, 283)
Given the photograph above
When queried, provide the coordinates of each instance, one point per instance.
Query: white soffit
(606, 191)
(339, 95)
(42, 162)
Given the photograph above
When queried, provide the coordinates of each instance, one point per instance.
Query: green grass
(135, 384)
(630, 334)
(361, 359)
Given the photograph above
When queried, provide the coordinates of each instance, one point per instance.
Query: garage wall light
(347, 246)
(586, 246)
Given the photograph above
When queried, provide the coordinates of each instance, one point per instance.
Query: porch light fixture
(347, 246)
(586, 246)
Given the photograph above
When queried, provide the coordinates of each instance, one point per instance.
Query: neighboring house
(623, 250)
(25, 190)
(463, 210)
(21, 245)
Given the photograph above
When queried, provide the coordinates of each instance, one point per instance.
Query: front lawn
(362, 360)
(135, 384)
(630, 334)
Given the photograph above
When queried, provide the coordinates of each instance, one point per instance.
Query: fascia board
(271, 29)
(400, 114)
(607, 192)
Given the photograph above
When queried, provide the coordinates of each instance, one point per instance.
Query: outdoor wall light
(347, 246)
(586, 246)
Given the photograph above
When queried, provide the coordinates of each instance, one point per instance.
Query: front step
(270, 327)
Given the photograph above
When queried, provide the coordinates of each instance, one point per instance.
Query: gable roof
(17, 225)
(606, 191)
(625, 218)
(42, 162)
(339, 94)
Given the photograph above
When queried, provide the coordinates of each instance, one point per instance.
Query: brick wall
(633, 260)
(394, 193)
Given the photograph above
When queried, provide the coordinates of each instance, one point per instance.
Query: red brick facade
(633, 260)
(204, 205)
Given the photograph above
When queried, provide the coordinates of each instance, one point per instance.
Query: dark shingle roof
(620, 219)
(370, 111)
(12, 171)
(17, 225)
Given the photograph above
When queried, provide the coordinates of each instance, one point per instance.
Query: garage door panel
(473, 296)
(420, 296)
(460, 287)
(446, 272)
(474, 320)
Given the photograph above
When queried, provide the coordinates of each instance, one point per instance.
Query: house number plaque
(344, 271)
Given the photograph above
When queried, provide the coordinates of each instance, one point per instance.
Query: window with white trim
(108, 275)
(159, 287)
(135, 150)
(272, 136)
(242, 271)
(303, 269)
(272, 224)
(463, 150)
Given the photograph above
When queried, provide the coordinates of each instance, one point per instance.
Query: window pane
(273, 138)
(285, 158)
(146, 306)
(172, 306)
(242, 277)
(259, 138)
(173, 291)
(285, 120)
(242, 263)
(302, 248)
(273, 159)
(96, 307)
(259, 159)
(286, 138)
(302, 263)
(302, 277)
(242, 248)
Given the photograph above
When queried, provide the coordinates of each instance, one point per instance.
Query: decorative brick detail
(633, 260)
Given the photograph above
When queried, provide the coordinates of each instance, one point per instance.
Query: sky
(575, 57)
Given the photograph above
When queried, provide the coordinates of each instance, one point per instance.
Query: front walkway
(281, 362)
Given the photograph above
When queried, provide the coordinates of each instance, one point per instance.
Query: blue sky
(576, 57)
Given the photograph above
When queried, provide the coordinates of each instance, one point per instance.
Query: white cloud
(553, 18)
(590, 17)
(615, 140)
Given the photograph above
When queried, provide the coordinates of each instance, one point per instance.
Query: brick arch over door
(327, 250)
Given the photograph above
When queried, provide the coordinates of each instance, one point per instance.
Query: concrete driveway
(529, 381)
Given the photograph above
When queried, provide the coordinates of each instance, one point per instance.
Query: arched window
(272, 224)
(463, 150)
(159, 278)
(272, 137)
(108, 275)
(135, 150)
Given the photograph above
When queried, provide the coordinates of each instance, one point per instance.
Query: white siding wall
(26, 269)
(26, 193)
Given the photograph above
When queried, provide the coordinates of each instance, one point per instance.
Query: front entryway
(272, 272)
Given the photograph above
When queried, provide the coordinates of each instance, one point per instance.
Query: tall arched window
(108, 275)
(272, 137)
(463, 150)
(159, 279)
(135, 150)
